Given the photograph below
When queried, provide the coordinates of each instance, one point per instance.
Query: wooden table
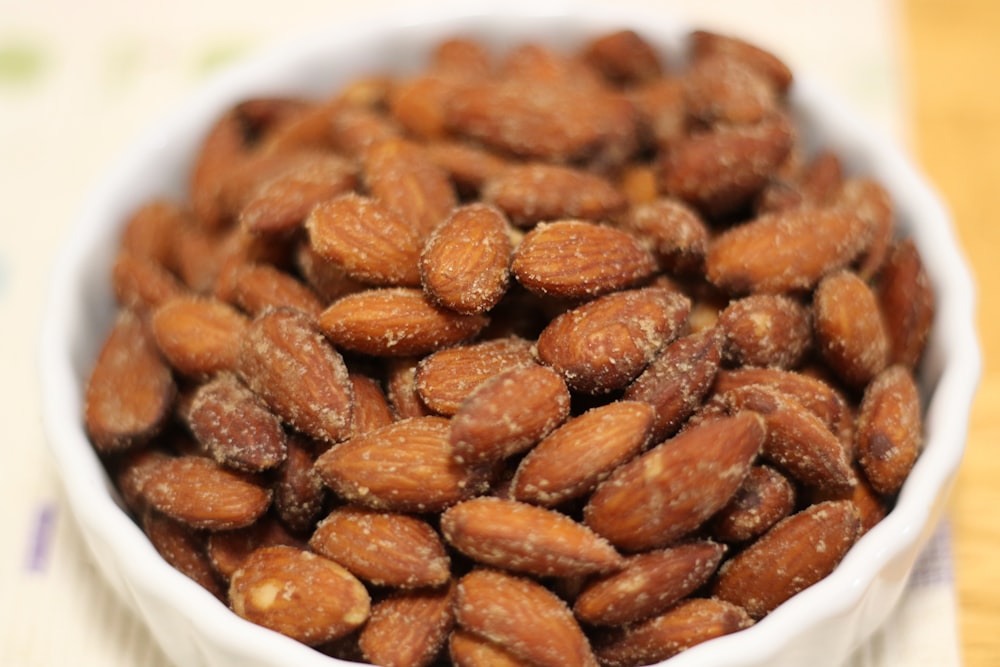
(953, 48)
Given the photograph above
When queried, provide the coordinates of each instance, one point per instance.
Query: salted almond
(690, 623)
(298, 374)
(199, 493)
(395, 322)
(444, 379)
(522, 617)
(298, 594)
(720, 90)
(889, 429)
(660, 113)
(465, 262)
(872, 202)
(355, 128)
(508, 413)
(765, 497)
(234, 426)
(299, 493)
(184, 548)
(401, 388)
(407, 466)
(328, 280)
(677, 380)
(648, 584)
(673, 230)
(532, 192)
(577, 259)
(786, 560)
(705, 43)
(468, 650)
(370, 241)
(371, 407)
(383, 548)
(850, 331)
(408, 628)
(766, 330)
(255, 288)
(906, 298)
(672, 489)
(524, 538)
(469, 166)
(606, 343)
(227, 549)
(623, 57)
(130, 390)
(785, 251)
(199, 336)
(574, 458)
(140, 284)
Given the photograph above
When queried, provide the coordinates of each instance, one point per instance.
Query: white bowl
(820, 626)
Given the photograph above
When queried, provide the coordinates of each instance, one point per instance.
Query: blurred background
(80, 80)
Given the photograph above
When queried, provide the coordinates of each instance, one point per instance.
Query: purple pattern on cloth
(935, 565)
(41, 539)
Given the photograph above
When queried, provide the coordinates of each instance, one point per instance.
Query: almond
(407, 466)
(522, 617)
(298, 374)
(227, 549)
(766, 330)
(395, 321)
(254, 288)
(720, 90)
(578, 259)
(141, 284)
(673, 230)
(468, 650)
(371, 407)
(199, 336)
(672, 489)
(605, 343)
(524, 538)
(299, 594)
(889, 429)
(573, 459)
(184, 548)
(765, 497)
(906, 299)
(299, 493)
(705, 43)
(850, 332)
(408, 628)
(648, 584)
(465, 262)
(130, 389)
(872, 202)
(508, 413)
(623, 56)
(796, 553)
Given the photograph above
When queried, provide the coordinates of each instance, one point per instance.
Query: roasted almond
(850, 332)
(227, 549)
(468, 650)
(766, 330)
(889, 429)
(371, 407)
(257, 287)
(408, 628)
(199, 336)
(299, 493)
(765, 497)
(906, 299)
(184, 548)
(673, 230)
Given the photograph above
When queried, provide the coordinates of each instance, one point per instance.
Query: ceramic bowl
(820, 626)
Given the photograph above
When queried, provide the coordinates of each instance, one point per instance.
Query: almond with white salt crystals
(286, 361)
(408, 628)
(889, 428)
(574, 458)
(257, 287)
(465, 262)
(184, 548)
(395, 322)
(673, 230)
(788, 558)
(130, 389)
(672, 489)
(508, 413)
(605, 343)
(785, 251)
(522, 617)
(299, 493)
(468, 650)
(577, 259)
(765, 497)
(766, 330)
(383, 548)
(199, 336)
(300, 594)
(850, 331)
(407, 466)
(524, 538)
(906, 298)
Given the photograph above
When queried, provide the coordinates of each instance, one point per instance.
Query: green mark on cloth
(21, 62)
(216, 56)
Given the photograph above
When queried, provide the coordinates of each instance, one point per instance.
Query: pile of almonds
(530, 358)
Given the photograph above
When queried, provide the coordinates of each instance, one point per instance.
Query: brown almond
(508, 413)
(383, 548)
(371, 407)
(673, 230)
(522, 617)
(524, 538)
(468, 650)
(889, 429)
(672, 489)
(765, 497)
(401, 388)
(299, 493)
(407, 466)
(766, 330)
(705, 43)
(578, 259)
(227, 549)
(298, 374)
(850, 331)
(199, 493)
(395, 321)
(721, 90)
(255, 288)
(906, 298)
(408, 628)
(199, 336)
(870, 200)
(623, 57)
(574, 458)
(298, 594)
(606, 343)
(140, 284)
(184, 548)
(648, 584)
(130, 390)
(786, 559)
(468, 165)
(465, 262)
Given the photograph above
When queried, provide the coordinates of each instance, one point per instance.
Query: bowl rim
(92, 501)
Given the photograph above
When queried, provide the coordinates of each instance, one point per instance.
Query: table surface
(952, 48)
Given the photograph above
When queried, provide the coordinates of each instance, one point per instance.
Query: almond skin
(199, 336)
(788, 558)
(906, 299)
(525, 538)
(771, 330)
(408, 628)
(673, 488)
(184, 548)
(889, 429)
(468, 650)
(286, 361)
(573, 459)
(605, 343)
(578, 259)
(465, 263)
(407, 466)
(522, 617)
(765, 497)
(509, 413)
(850, 331)
(299, 594)
(382, 548)
(299, 494)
